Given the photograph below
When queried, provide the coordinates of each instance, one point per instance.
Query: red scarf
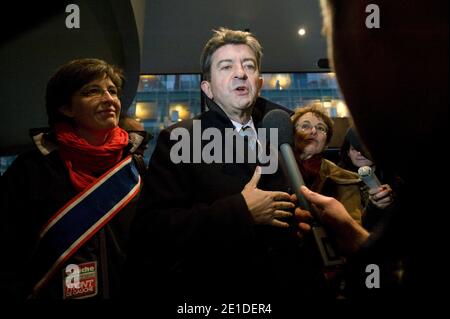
(310, 168)
(84, 161)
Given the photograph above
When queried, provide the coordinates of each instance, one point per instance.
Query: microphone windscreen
(282, 121)
(364, 171)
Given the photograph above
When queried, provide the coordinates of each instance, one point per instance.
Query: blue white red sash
(84, 215)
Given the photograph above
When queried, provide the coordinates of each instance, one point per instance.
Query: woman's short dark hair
(318, 110)
(224, 36)
(71, 77)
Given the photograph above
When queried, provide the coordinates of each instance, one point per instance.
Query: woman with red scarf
(313, 131)
(67, 205)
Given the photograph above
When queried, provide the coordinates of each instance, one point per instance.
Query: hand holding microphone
(379, 195)
(348, 233)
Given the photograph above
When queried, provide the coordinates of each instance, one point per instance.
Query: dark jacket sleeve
(175, 224)
(32, 189)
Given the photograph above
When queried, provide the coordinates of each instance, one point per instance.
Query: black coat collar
(261, 108)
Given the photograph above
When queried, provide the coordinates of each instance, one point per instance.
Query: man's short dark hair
(224, 36)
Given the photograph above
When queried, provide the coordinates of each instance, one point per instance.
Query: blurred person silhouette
(66, 205)
(396, 114)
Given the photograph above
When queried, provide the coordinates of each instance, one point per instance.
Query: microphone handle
(293, 172)
(371, 181)
(329, 256)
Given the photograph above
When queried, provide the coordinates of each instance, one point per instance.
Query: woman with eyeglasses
(66, 205)
(313, 131)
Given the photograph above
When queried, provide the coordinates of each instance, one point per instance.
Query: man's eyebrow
(249, 59)
(223, 61)
(231, 61)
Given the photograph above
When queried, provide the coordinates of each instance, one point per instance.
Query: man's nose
(240, 72)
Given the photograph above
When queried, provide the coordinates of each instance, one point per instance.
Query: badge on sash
(80, 281)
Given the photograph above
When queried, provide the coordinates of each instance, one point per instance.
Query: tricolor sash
(83, 216)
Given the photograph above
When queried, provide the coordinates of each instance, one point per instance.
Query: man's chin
(245, 103)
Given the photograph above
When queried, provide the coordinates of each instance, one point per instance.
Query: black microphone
(369, 177)
(280, 119)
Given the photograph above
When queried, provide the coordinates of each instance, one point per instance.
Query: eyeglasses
(307, 127)
(98, 92)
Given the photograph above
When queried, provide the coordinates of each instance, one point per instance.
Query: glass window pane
(162, 100)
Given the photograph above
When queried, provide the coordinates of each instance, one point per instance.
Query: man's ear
(260, 84)
(66, 110)
(206, 88)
